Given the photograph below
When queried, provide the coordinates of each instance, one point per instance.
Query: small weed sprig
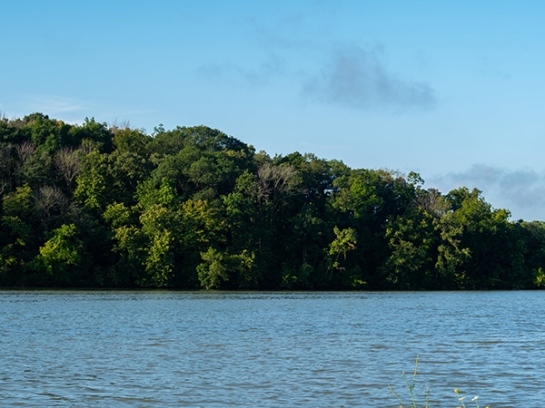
(410, 387)
(475, 399)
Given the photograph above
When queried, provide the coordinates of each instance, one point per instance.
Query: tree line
(93, 205)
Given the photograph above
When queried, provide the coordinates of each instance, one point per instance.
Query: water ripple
(163, 349)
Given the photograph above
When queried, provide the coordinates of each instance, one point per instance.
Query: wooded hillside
(97, 206)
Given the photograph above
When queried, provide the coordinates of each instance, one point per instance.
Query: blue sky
(451, 89)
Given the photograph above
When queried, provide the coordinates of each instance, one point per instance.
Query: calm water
(167, 349)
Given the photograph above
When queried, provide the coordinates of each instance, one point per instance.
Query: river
(264, 349)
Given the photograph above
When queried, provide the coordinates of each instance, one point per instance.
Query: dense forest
(94, 205)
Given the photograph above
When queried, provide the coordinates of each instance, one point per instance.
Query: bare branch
(276, 181)
(68, 162)
(24, 151)
(115, 126)
(431, 201)
(50, 200)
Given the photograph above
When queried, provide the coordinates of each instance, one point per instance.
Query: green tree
(94, 131)
(214, 270)
(365, 200)
(344, 242)
(20, 231)
(219, 267)
(128, 243)
(256, 218)
(532, 236)
(92, 189)
(475, 249)
(60, 258)
(412, 240)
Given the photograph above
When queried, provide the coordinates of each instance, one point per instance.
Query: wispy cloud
(522, 190)
(493, 69)
(54, 105)
(72, 110)
(359, 78)
(261, 74)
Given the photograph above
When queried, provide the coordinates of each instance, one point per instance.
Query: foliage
(61, 256)
(92, 205)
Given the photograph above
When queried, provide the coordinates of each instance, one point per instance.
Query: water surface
(199, 349)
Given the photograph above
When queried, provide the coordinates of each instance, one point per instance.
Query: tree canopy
(96, 206)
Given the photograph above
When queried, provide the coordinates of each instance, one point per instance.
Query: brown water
(166, 349)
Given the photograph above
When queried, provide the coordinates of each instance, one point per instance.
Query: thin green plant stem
(396, 395)
(410, 387)
(411, 383)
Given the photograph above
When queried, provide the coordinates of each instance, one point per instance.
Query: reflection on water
(153, 349)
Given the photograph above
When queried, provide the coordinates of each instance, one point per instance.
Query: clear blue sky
(454, 90)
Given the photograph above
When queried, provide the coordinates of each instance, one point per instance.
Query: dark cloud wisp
(359, 78)
(259, 75)
(521, 191)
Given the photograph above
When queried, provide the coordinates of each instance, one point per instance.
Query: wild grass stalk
(410, 383)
